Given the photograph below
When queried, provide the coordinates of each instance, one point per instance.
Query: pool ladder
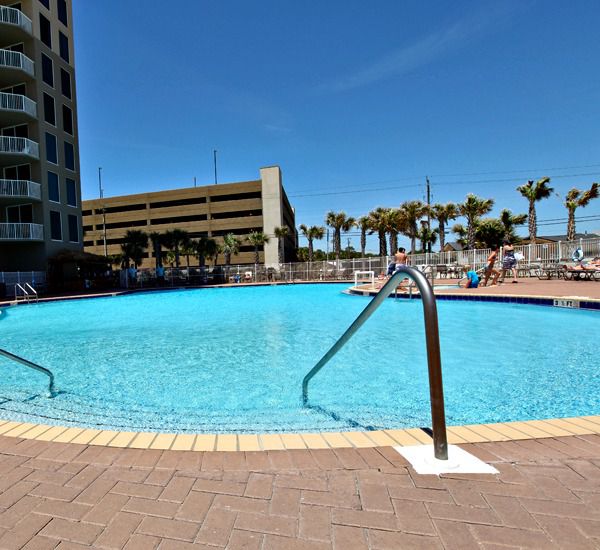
(33, 366)
(436, 390)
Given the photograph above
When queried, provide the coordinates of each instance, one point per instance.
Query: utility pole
(215, 162)
(428, 211)
(194, 181)
(103, 210)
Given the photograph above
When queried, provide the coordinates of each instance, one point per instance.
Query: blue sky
(357, 102)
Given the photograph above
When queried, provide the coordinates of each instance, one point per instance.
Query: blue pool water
(233, 359)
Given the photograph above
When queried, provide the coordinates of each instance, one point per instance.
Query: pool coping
(470, 433)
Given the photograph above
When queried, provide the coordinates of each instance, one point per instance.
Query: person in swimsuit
(509, 262)
(400, 258)
(489, 268)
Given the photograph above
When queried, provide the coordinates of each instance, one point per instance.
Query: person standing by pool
(489, 267)
(400, 258)
(472, 277)
(509, 262)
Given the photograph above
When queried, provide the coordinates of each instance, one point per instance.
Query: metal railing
(44, 370)
(19, 145)
(18, 102)
(21, 232)
(16, 60)
(436, 389)
(27, 292)
(10, 278)
(20, 188)
(13, 16)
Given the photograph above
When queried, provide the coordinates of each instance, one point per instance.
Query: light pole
(103, 210)
(215, 162)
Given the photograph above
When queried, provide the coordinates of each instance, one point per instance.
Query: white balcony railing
(20, 145)
(21, 232)
(20, 188)
(16, 60)
(17, 102)
(16, 17)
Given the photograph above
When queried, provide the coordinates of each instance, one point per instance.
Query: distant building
(40, 208)
(210, 210)
(546, 239)
(453, 247)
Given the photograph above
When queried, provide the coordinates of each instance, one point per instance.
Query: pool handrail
(436, 389)
(31, 365)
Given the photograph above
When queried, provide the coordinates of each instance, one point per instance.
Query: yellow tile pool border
(472, 433)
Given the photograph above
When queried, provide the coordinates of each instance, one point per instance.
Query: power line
(365, 189)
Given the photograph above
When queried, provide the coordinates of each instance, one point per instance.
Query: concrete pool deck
(72, 488)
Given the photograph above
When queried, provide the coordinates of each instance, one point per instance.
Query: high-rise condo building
(40, 194)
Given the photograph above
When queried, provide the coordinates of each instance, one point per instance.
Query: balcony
(17, 190)
(21, 232)
(15, 25)
(14, 67)
(16, 109)
(17, 149)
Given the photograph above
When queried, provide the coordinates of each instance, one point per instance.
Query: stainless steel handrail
(31, 365)
(436, 389)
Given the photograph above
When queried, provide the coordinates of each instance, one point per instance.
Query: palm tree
(230, 247)
(490, 232)
(364, 225)
(378, 222)
(257, 239)
(156, 240)
(444, 213)
(339, 222)
(427, 236)
(311, 233)
(281, 233)
(509, 222)
(205, 247)
(472, 209)
(461, 234)
(188, 249)
(535, 192)
(412, 211)
(575, 199)
(133, 247)
(395, 223)
(175, 240)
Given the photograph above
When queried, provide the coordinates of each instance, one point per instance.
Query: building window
(73, 228)
(65, 83)
(51, 149)
(22, 213)
(62, 12)
(53, 190)
(45, 32)
(21, 172)
(69, 156)
(63, 46)
(67, 120)
(55, 226)
(47, 70)
(45, 3)
(71, 192)
(49, 111)
(16, 131)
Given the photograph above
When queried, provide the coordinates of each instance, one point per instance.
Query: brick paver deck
(72, 496)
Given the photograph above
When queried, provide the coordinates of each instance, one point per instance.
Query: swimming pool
(232, 360)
